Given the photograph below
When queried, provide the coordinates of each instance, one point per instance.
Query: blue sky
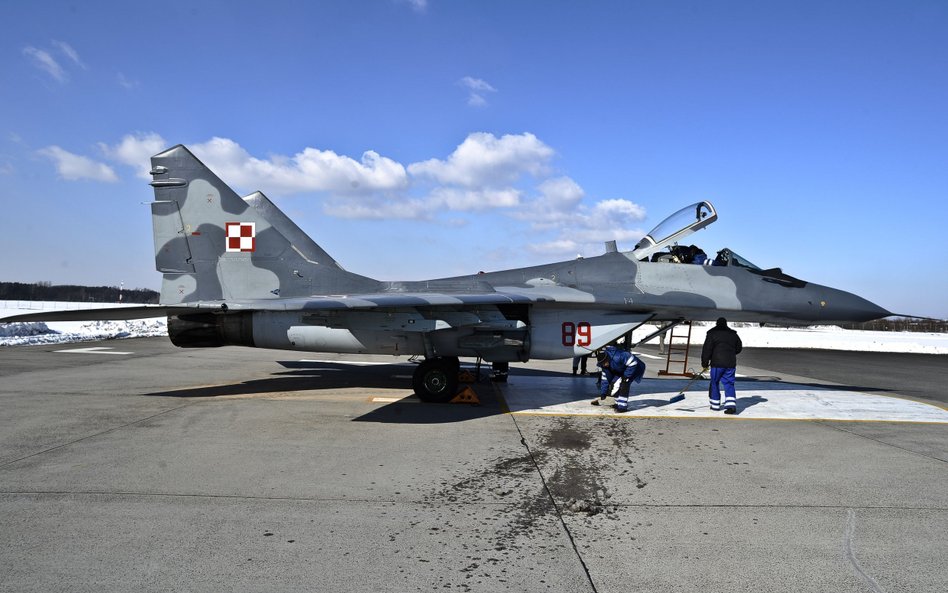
(428, 139)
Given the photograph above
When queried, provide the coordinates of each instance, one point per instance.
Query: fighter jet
(237, 271)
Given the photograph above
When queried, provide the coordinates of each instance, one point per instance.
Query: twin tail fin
(211, 244)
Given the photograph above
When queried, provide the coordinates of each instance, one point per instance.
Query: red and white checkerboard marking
(241, 236)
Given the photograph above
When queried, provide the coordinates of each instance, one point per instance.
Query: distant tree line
(901, 324)
(45, 291)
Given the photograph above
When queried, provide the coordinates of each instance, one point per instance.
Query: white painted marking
(391, 400)
(96, 350)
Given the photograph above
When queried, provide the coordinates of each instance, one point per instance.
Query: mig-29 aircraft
(237, 271)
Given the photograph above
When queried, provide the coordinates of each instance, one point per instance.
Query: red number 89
(574, 334)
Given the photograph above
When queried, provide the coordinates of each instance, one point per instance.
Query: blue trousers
(722, 376)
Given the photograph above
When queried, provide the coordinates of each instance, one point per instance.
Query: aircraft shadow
(305, 377)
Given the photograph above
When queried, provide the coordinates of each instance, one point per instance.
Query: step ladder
(679, 340)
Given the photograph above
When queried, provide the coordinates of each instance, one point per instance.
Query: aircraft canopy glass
(726, 257)
(674, 228)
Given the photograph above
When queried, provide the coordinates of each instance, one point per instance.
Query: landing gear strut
(436, 379)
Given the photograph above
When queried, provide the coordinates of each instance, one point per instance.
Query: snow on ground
(824, 337)
(61, 332)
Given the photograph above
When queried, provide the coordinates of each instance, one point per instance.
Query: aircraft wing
(552, 294)
(99, 314)
(316, 303)
(446, 301)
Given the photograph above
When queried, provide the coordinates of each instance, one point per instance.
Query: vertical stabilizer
(211, 244)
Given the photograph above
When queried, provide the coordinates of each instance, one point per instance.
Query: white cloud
(607, 231)
(477, 88)
(557, 247)
(622, 209)
(484, 173)
(470, 199)
(70, 53)
(136, 151)
(127, 83)
(418, 5)
(557, 204)
(562, 192)
(306, 171)
(580, 228)
(378, 209)
(586, 241)
(75, 167)
(45, 62)
(483, 160)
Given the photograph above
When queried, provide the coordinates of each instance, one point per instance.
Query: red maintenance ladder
(679, 340)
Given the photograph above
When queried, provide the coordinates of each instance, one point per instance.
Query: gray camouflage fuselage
(289, 293)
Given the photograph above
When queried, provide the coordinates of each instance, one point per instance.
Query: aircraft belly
(565, 333)
(287, 331)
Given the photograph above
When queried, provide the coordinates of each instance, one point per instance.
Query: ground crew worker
(579, 364)
(619, 369)
(721, 347)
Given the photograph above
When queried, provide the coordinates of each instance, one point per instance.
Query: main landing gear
(436, 379)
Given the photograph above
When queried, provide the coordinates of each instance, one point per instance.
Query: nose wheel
(436, 379)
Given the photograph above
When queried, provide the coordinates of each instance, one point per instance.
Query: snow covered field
(825, 337)
(829, 337)
(61, 332)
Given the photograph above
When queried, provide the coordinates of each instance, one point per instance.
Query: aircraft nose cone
(839, 305)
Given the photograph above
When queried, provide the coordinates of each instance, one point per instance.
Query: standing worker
(619, 369)
(721, 347)
(579, 364)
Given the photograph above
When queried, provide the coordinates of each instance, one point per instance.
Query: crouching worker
(619, 369)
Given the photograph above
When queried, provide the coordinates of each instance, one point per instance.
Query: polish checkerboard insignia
(241, 236)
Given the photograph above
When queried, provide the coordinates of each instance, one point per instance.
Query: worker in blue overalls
(619, 369)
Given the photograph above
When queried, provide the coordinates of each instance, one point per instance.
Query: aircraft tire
(436, 379)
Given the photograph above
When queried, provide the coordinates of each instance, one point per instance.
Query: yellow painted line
(721, 417)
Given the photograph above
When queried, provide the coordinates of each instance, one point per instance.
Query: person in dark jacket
(721, 347)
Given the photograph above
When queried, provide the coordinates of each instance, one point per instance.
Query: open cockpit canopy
(675, 228)
(662, 244)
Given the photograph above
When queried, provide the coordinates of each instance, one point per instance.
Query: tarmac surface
(134, 465)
